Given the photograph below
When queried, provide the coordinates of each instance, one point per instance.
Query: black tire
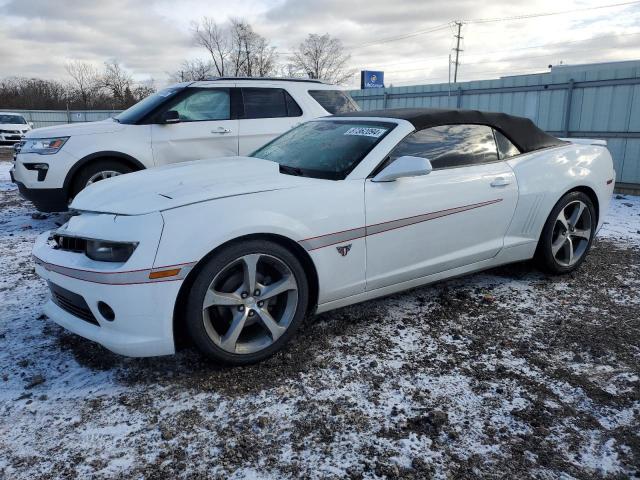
(216, 266)
(545, 257)
(95, 167)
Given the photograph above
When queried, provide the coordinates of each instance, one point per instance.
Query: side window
(506, 149)
(449, 146)
(269, 103)
(293, 109)
(204, 104)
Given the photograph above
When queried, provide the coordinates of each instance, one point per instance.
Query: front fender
(191, 232)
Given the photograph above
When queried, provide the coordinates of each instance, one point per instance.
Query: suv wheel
(97, 171)
(247, 302)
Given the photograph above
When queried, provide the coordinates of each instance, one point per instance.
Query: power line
(488, 20)
(402, 37)
(548, 14)
(522, 58)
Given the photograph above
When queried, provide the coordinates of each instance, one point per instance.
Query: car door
(454, 216)
(205, 129)
(268, 112)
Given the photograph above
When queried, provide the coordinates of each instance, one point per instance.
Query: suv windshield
(15, 119)
(326, 148)
(334, 101)
(143, 107)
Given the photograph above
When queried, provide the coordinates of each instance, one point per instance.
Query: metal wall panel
(599, 101)
(47, 118)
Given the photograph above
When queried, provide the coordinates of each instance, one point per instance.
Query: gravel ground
(503, 374)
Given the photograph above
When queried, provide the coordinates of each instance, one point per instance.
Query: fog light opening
(106, 311)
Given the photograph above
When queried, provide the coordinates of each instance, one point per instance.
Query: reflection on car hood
(72, 129)
(184, 183)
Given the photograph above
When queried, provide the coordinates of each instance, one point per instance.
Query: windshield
(334, 101)
(143, 107)
(15, 119)
(324, 149)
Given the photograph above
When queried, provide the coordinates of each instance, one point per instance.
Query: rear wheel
(568, 234)
(247, 302)
(97, 171)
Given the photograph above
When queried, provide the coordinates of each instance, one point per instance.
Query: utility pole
(449, 75)
(458, 37)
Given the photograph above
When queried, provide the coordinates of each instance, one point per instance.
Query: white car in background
(13, 127)
(188, 121)
(236, 251)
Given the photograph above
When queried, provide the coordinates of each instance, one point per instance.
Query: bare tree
(117, 81)
(85, 80)
(265, 57)
(235, 49)
(194, 70)
(143, 89)
(323, 57)
(215, 39)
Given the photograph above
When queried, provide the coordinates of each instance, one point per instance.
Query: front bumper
(44, 199)
(143, 323)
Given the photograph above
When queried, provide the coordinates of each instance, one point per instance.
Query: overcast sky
(151, 37)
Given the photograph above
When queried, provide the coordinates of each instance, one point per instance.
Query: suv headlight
(103, 251)
(43, 146)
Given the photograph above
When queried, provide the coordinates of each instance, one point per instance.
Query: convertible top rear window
(334, 101)
(325, 149)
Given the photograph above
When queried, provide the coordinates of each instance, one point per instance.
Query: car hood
(182, 184)
(72, 129)
(14, 126)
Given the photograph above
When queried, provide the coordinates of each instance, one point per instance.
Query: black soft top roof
(522, 132)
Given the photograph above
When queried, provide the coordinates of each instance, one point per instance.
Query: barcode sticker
(365, 131)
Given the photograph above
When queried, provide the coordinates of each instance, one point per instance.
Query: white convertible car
(235, 252)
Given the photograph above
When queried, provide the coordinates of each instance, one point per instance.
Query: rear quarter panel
(545, 176)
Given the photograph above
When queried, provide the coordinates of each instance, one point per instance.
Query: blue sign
(369, 79)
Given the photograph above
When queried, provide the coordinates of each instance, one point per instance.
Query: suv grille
(72, 303)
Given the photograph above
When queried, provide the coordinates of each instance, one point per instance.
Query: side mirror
(404, 167)
(31, 124)
(170, 116)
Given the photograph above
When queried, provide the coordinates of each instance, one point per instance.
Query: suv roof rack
(280, 79)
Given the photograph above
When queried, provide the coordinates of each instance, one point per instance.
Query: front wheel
(247, 302)
(567, 234)
(97, 171)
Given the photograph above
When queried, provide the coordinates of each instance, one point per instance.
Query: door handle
(221, 130)
(500, 182)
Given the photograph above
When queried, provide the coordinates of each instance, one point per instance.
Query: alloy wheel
(96, 177)
(250, 303)
(571, 233)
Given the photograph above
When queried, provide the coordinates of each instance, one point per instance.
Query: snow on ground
(503, 374)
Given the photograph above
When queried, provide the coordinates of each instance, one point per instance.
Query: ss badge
(343, 249)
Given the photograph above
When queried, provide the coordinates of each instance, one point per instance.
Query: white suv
(13, 127)
(188, 121)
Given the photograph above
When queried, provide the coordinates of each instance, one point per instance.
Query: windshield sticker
(366, 132)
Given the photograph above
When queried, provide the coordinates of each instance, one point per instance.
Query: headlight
(43, 146)
(103, 251)
(100, 250)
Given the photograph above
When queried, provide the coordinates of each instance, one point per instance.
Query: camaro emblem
(344, 249)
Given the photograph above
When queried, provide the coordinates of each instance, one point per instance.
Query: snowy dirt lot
(504, 374)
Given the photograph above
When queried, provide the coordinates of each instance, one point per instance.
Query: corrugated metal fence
(592, 101)
(47, 118)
